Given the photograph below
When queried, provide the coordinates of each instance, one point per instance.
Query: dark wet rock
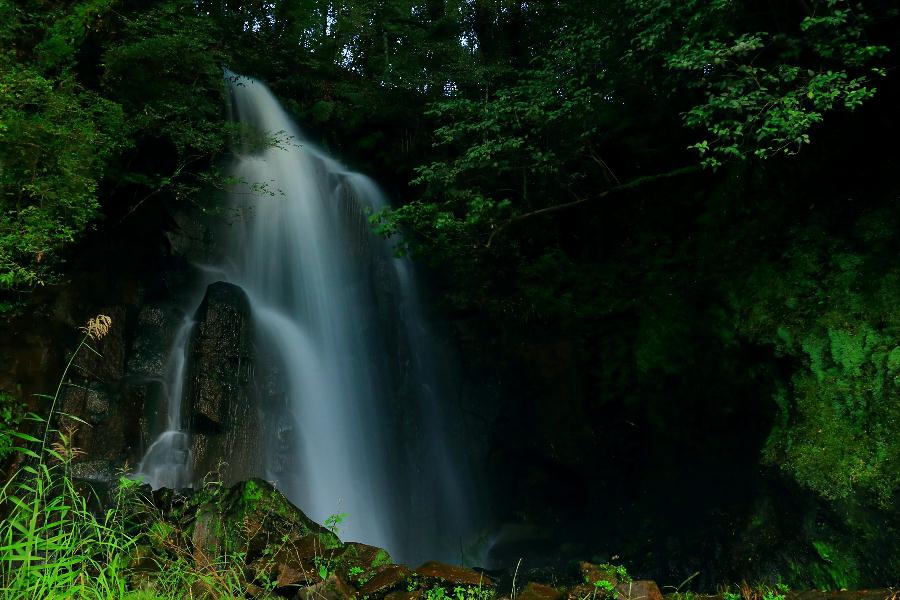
(405, 595)
(584, 591)
(88, 401)
(91, 408)
(96, 404)
(436, 573)
(289, 572)
(360, 562)
(192, 236)
(639, 590)
(389, 579)
(155, 333)
(100, 472)
(367, 556)
(106, 363)
(103, 424)
(220, 397)
(332, 588)
(538, 591)
(206, 538)
(98, 479)
(292, 562)
(146, 396)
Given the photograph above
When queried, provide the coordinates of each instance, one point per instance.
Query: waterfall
(167, 462)
(363, 381)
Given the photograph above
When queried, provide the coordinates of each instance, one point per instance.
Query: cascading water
(167, 462)
(361, 374)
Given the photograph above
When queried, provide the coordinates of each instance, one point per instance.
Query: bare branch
(579, 201)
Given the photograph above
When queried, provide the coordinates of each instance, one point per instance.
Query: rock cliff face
(221, 398)
(119, 391)
(142, 275)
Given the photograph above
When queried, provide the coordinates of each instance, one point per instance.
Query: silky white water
(364, 415)
(167, 462)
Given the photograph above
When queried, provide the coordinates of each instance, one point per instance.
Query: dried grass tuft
(98, 327)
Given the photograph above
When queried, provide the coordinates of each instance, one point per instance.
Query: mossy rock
(359, 563)
(255, 518)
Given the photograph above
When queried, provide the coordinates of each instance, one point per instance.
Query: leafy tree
(56, 140)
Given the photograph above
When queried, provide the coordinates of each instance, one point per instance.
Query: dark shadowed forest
(657, 244)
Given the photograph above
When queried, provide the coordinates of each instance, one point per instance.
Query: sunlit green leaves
(762, 92)
(54, 145)
(836, 434)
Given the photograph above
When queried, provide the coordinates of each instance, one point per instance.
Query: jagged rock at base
(405, 595)
(278, 549)
(538, 591)
(437, 573)
(386, 581)
(592, 573)
(332, 588)
(638, 590)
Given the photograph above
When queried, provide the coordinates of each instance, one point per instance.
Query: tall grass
(52, 545)
(55, 545)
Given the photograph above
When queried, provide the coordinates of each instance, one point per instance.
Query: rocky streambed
(268, 548)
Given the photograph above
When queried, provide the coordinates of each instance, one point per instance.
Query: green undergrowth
(52, 545)
(56, 541)
(439, 592)
(11, 416)
(59, 539)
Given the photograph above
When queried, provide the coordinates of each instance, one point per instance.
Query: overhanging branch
(619, 188)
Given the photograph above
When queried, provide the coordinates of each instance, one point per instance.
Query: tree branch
(619, 188)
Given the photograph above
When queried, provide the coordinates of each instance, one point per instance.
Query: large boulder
(538, 591)
(220, 397)
(638, 590)
(252, 530)
(436, 573)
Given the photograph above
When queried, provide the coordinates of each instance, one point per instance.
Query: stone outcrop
(387, 580)
(639, 590)
(278, 551)
(436, 573)
(220, 397)
(538, 591)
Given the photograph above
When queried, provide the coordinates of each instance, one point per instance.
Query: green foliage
(65, 36)
(836, 431)
(52, 545)
(65, 139)
(604, 589)
(177, 95)
(762, 90)
(11, 417)
(56, 139)
(439, 592)
(836, 570)
(508, 159)
(333, 522)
